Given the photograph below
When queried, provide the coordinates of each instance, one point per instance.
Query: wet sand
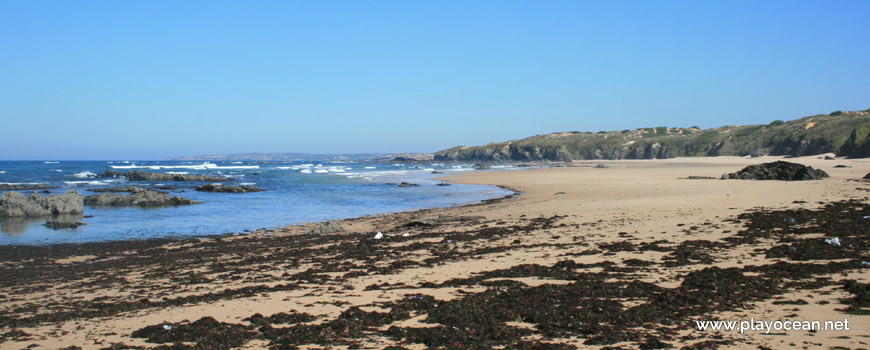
(628, 256)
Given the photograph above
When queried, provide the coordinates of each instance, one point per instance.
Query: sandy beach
(627, 256)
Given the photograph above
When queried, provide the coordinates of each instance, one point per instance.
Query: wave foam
(88, 183)
(85, 175)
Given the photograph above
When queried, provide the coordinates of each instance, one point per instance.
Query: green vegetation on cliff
(843, 133)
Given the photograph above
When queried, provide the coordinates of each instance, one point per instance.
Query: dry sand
(639, 202)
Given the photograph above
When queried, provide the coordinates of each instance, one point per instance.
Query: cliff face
(842, 133)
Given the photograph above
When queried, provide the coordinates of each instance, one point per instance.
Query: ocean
(294, 192)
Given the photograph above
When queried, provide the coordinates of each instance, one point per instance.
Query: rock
(408, 184)
(443, 184)
(15, 204)
(57, 225)
(830, 158)
(141, 198)
(328, 227)
(146, 176)
(481, 166)
(693, 177)
(227, 189)
(867, 177)
(779, 170)
(601, 166)
(25, 187)
(841, 166)
(437, 172)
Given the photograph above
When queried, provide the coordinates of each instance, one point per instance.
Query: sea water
(294, 192)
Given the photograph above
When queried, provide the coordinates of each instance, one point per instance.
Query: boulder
(15, 204)
(146, 176)
(408, 184)
(227, 188)
(867, 177)
(601, 166)
(779, 170)
(141, 198)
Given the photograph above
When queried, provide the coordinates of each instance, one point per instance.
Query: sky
(83, 80)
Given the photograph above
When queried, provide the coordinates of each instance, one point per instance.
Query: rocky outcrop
(25, 187)
(16, 204)
(146, 176)
(140, 198)
(867, 177)
(227, 189)
(778, 170)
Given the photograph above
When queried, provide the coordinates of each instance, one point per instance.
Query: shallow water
(295, 192)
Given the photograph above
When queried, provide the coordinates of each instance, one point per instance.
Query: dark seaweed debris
(860, 302)
(206, 332)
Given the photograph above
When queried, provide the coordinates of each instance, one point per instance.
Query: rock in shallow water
(141, 198)
(778, 170)
(57, 225)
(15, 204)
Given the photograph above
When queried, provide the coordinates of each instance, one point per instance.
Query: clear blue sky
(156, 79)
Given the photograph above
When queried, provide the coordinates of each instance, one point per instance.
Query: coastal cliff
(844, 133)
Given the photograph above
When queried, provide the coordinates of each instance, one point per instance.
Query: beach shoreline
(94, 295)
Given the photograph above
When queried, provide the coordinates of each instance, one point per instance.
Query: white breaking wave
(284, 167)
(85, 175)
(321, 171)
(177, 172)
(305, 171)
(2, 171)
(89, 183)
(51, 162)
(203, 166)
(370, 167)
(57, 170)
(247, 184)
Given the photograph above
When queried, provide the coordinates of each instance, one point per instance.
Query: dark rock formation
(146, 176)
(227, 189)
(328, 227)
(601, 166)
(408, 184)
(57, 225)
(867, 177)
(778, 170)
(25, 187)
(695, 177)
(15, 204)
(139, 198)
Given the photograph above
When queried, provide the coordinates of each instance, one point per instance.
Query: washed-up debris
(379, 235)
(833, 241)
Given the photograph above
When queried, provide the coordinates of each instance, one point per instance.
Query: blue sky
(156, 79)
